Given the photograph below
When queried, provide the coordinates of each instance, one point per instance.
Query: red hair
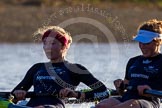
(57, 36)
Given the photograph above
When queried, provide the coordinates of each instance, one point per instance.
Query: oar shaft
(154, 93)
(113, 92)
(32, 94)
(4, 94)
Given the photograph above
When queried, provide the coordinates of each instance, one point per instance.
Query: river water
(107, 62)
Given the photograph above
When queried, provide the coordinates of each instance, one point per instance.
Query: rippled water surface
(107, 62)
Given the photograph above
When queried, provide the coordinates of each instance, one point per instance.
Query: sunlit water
(106, 62)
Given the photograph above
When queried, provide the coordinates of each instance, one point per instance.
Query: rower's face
(52, 48)
(149, 49)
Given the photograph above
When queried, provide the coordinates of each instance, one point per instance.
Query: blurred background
(21, 18)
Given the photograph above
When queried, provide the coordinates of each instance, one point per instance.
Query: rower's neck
(58, 60)
(156, 54)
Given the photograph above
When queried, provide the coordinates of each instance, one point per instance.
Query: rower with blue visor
(142, 71)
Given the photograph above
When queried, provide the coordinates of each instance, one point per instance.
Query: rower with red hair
(57, 77)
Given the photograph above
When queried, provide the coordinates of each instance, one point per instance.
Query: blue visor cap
(145, 36)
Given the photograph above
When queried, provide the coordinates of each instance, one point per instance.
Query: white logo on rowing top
(146, 61)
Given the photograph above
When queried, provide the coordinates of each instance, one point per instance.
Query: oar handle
(33, 94)
(154, 93)
(5, 94)
(113, 92)
(28, 95)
